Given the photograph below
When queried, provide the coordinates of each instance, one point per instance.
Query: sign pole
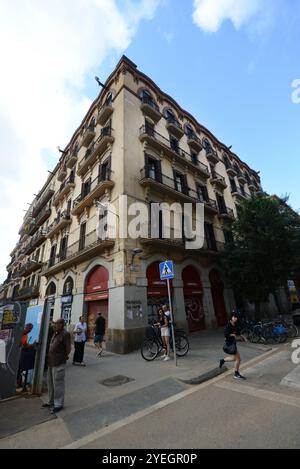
(172, 324)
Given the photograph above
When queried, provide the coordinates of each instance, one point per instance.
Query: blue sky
(230, 63)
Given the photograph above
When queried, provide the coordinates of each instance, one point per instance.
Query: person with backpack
(164, 321)
(232, 335)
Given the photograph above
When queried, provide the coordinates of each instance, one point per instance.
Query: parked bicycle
(152, 346)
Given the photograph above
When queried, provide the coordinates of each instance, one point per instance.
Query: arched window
(170, 115)
(109, 98)
(68, 286)
(145, 95)
(207, 144)
(188, 129)
(51, 289)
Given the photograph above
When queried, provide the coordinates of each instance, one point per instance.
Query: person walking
(59, 351)
(99, 333)
(164, 321)
(232, 335)
(79, 341)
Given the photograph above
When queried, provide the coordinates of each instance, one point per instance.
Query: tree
(265, 250)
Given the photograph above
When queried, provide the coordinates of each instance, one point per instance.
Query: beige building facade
(137, 145)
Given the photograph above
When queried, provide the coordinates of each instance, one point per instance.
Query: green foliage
(266, 248)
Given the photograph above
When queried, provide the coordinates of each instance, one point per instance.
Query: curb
(203, 376)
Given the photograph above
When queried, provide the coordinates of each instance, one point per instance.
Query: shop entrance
(193, 299)
(96, 297)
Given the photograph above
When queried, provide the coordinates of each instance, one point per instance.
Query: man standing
(60, 348)
(79, 341)
(99, 333)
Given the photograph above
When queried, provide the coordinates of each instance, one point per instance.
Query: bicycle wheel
(149, 350)
(254, 337)
(182, 345)
(292, 331)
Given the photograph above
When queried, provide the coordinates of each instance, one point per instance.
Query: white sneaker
(166, 358)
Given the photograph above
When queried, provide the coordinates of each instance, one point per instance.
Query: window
(109, 98)
(194, 158)
(169, 115)
(180, 184)
(68, 286)
(202, 193)
(104, 171)
(69, 207)
(174, 144)
(63, 248)
(152, 169)
(189, 130)
(242, 189)
(149, 128)
(85, 188)
(233, 185)
(52, 255)
(226, 162)
(82, 236)
(207, 145)
(221, 204)
(210, 236)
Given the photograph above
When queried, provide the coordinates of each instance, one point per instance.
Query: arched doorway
(50, 299)
(217, 291)
(66, 300)
(96, 297)
(193, 299)
(157, 291)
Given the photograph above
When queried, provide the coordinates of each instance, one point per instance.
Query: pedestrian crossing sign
(166, 270)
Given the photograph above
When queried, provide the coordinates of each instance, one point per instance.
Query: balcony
(72, 159)
(39, 220)
(42, 200)
(86, 248)
(163, 183)
(16, 275)
(241, 178)
(218, 180)
(162, 144)
(27, 292)
(64, 189)
(58, 224)
(211, 155)
(252, 186)
(88, 136)
(36, 241)
(97, 188)
(238, 193)
(29, 267)
(174, 127)
(210, 205)
(105, 112)
(174, 240)
(96, 149)
(150, 108)
(226, 214)
(62, 172)
(230, 169)
(194, 142)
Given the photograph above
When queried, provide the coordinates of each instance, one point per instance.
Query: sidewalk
(91, 405)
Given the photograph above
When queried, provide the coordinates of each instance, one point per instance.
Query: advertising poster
(34, 316)
(10, 317)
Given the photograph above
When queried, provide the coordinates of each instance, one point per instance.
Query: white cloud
(210, 14)
(48, 49)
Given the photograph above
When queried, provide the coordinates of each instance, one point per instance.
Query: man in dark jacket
(99, 333)
(59, 350)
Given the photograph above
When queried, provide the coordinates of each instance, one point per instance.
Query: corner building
(136, 141)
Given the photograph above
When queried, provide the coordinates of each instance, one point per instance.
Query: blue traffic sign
(166, 270)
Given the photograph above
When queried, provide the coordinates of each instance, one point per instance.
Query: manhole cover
(116, 380)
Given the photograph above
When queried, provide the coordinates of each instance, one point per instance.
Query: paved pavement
(91, 406)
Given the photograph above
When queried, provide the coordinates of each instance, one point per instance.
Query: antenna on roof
(99, 83)
(59, 149)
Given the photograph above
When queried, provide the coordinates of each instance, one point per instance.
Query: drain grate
(116, 380)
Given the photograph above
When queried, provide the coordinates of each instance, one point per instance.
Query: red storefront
(157, 291)
(193, 299)
(96, 297)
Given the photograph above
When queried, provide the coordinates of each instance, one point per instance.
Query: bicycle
(152, 346)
